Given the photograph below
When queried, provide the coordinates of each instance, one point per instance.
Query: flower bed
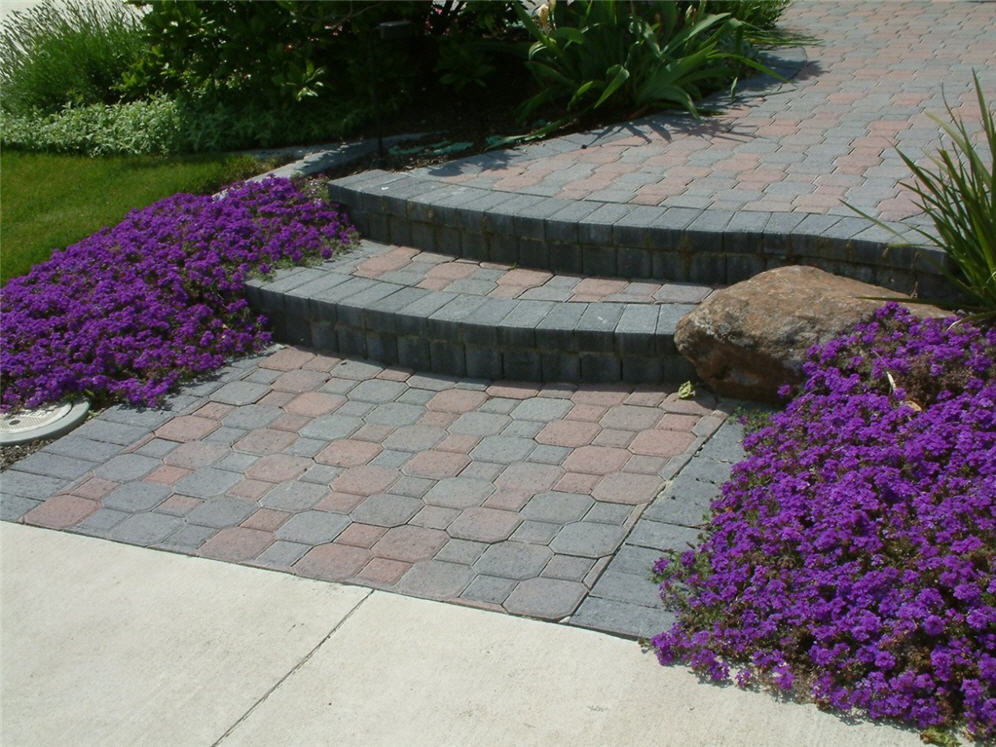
(128, 312)
(852, 555)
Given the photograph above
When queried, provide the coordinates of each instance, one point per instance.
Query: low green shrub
(161, 125)
(152, 126)
(280, 54)
(66, 53)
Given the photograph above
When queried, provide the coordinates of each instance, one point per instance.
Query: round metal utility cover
(47, 422)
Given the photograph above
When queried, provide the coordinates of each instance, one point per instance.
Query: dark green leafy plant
(959, 196)
(73, 53)
(281, 51)
(463, 64)
(619, 55)
(231, 49)
(761, 14)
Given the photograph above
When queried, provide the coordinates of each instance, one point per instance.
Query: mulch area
(13, 453)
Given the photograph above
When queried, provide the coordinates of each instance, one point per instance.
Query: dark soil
(11, 454)
(473, 121)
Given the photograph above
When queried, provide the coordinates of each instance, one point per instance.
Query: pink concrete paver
(436, 464)
(410, 543)
(661, 443)
(214, 410)
(61, 511)
(167, 474)
(236, 544)
(622, 487)
(340, 502)
(179, 505)
(332, 562)
(361, 535)
(383, 571)
(314, 404)
(250, 489)
(586, 412)
(348, 453)
(576, 482)
(570, 433)
(266, 519)
(287, 359)
(524, 278)
(461, 443)
(95, 488)
(187, 428)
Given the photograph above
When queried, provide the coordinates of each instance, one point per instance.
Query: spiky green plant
(959, 196)
(73, 52)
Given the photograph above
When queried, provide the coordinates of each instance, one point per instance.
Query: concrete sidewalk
(109, 644)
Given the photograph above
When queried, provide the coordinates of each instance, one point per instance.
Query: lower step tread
(402, 306)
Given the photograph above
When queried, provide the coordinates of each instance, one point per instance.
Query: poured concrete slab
(409, 671)
(110, 644)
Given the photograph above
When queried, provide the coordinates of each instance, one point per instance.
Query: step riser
(607, 239)
(458, 348)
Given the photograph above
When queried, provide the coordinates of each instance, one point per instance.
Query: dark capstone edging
(632, 241)
(625, 600)
(327, 308)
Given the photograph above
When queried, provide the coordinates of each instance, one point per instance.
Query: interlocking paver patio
(540, 499)
(434, 486)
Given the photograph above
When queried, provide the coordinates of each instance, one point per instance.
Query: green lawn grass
(48, 201)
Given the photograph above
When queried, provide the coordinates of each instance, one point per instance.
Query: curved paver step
(676, 244)
(399, 306)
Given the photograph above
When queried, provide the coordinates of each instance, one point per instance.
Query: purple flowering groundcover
(852, 554)
(130, 311)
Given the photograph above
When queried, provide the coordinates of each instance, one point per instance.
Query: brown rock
(751, 338)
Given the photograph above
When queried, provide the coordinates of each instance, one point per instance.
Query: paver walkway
(543, 500)
(804, 146)
(500, 495)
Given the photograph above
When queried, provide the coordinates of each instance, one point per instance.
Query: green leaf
(619, 76)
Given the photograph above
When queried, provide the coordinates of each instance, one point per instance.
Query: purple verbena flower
(132, 310)
(852, 554)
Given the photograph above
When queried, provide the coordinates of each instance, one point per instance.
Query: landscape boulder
(749, 339)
